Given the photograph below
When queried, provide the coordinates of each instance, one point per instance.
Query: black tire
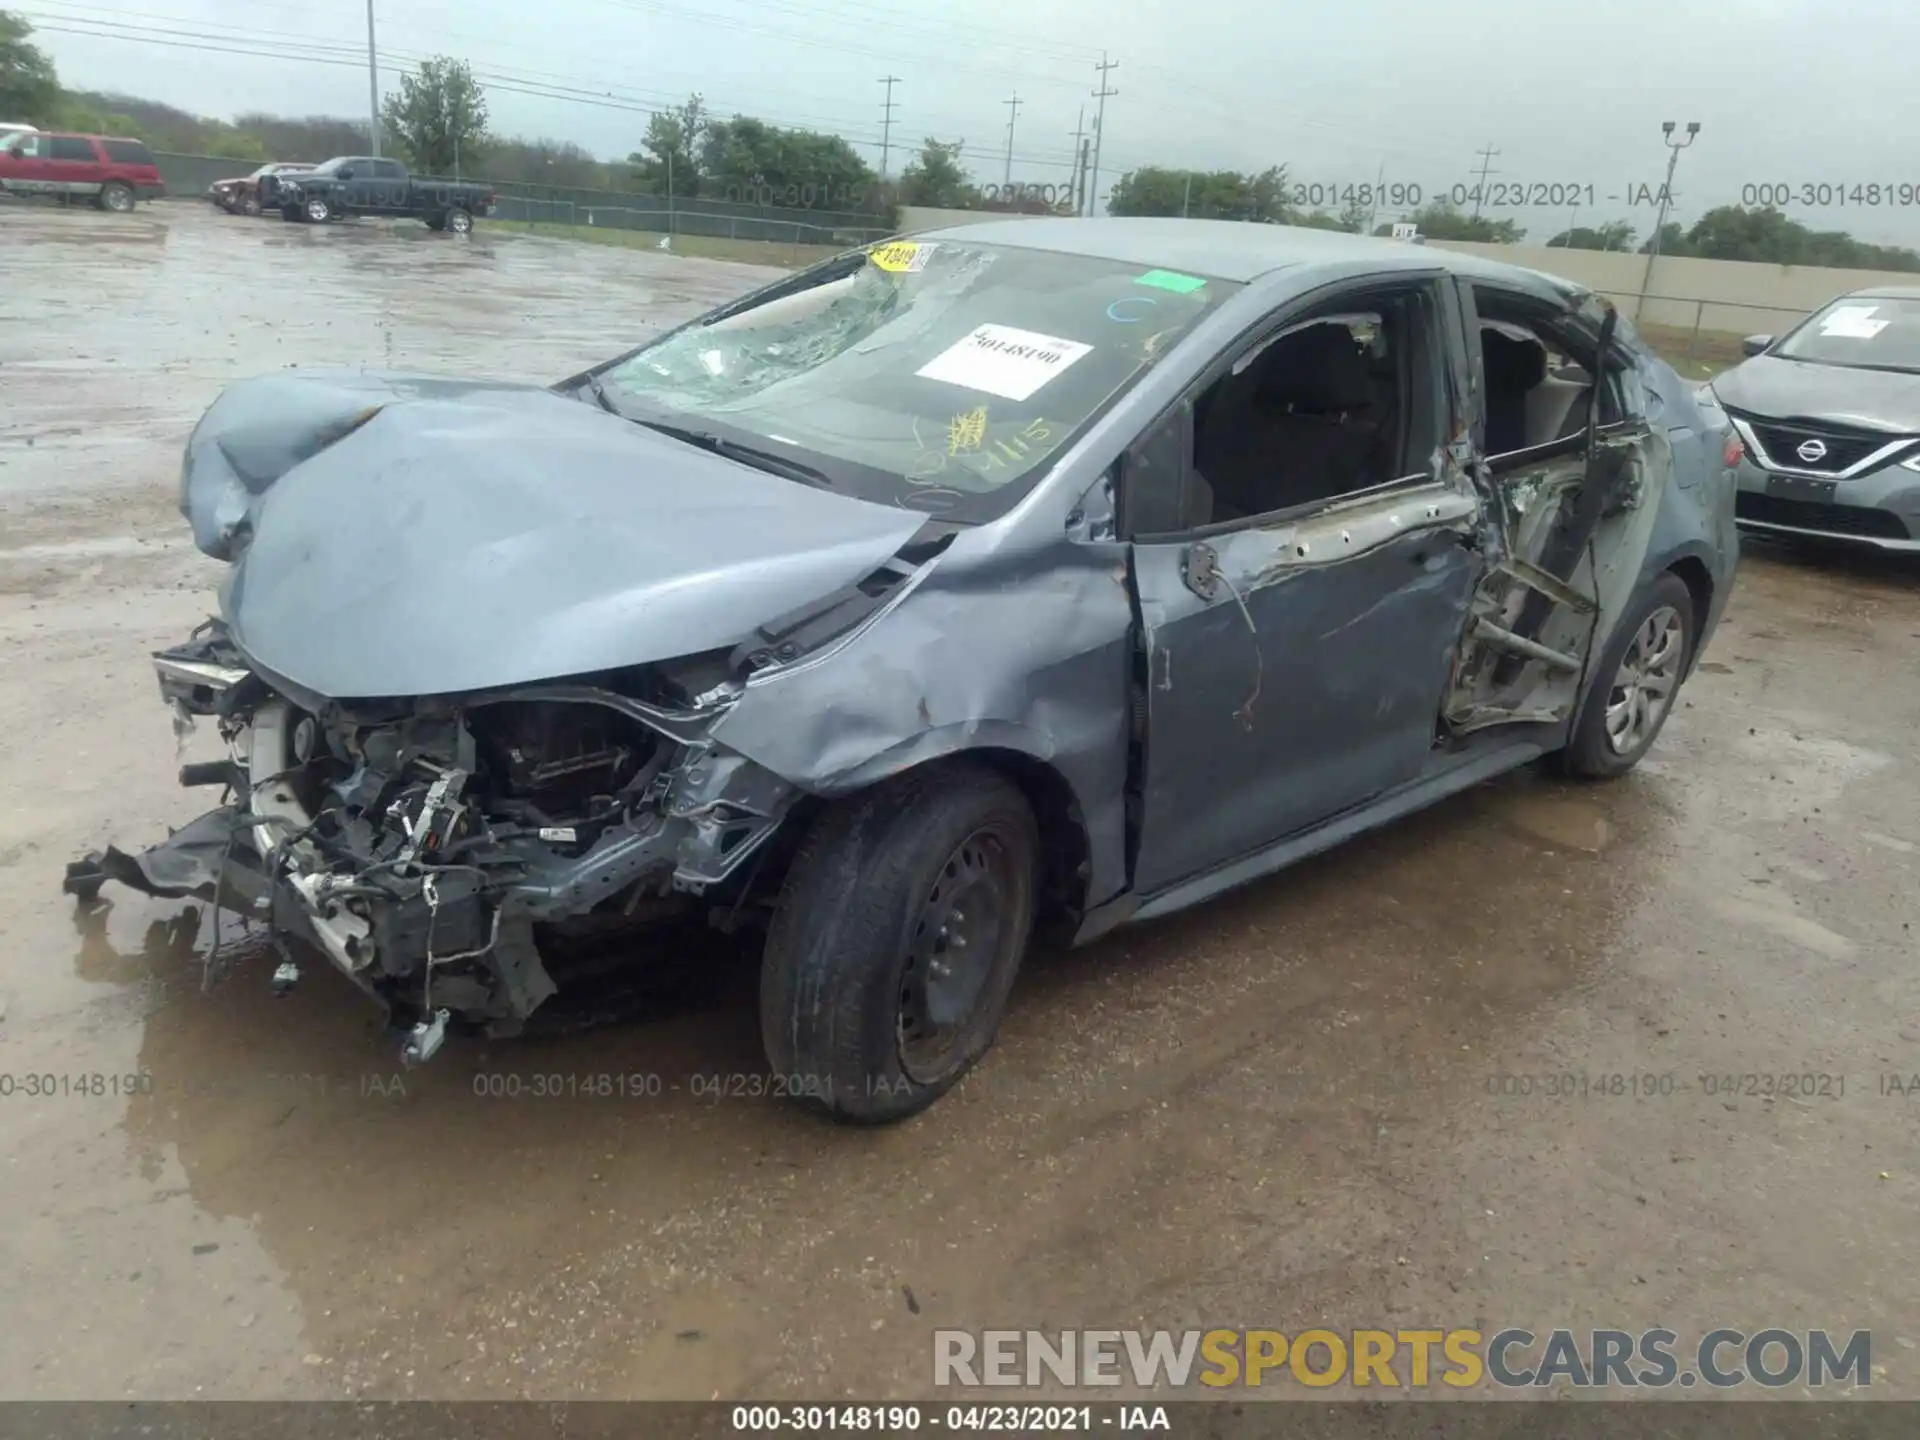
(851, 950)
(116, 198)
(1593, 753)
(459, 221)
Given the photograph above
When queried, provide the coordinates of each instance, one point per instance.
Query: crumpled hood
(1796, 390)
(401, 536)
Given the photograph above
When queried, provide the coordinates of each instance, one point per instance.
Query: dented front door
(1293, 670)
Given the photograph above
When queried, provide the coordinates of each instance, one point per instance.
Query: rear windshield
(936, 374)
(1864, 331)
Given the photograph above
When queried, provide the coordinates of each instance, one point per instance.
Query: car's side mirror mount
(346, 174)
(1754, 344)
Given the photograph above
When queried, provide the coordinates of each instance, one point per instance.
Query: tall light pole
(373, 86)
(1674, 147)
(1013, 113)
(1099, 127)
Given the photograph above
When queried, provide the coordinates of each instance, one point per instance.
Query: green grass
(1698, 357)
(705, 247)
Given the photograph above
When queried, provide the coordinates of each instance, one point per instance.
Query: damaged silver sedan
(1031, 577)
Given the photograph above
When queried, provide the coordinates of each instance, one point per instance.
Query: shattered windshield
(933, 374)
(1861, 330)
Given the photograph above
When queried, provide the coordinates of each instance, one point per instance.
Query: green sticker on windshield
(1171, 280)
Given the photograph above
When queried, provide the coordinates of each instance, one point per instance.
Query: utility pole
(886, 120)
(1079, 143)
(1674, 147)
(1080, 180)
(1486, 169)
(1013, 113)
(1099, 126)
(373, 87)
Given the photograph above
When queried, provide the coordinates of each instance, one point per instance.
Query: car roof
(1238, 250)
(90, 135)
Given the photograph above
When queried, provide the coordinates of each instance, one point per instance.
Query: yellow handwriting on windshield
(967, 431)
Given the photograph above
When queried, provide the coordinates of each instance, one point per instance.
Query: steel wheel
(1643, 686)
(318, 211)
(965, 933)
(117, 198)
(459, 221)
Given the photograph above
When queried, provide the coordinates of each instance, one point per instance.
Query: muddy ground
(1281, 1110)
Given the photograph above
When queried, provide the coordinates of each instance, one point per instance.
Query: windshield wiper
(767, 460)
(597, 388)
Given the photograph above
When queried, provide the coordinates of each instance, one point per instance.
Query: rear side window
(387, 169)
(129, 152)
(72, 147)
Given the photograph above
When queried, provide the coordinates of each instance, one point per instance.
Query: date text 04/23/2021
(893, 1419)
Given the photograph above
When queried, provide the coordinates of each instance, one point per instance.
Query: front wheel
(250, 207)
(896, 941)
(1636, 681)
(318, 210)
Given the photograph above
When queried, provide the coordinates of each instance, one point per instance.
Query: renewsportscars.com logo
(1513, 1358)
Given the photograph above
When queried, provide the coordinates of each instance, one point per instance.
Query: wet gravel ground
(1297, 1106)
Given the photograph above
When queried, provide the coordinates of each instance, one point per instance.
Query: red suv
(109, 172)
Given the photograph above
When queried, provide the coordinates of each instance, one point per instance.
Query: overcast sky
(1786, 91)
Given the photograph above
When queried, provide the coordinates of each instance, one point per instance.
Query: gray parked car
(1830, 417)
(1035, 575)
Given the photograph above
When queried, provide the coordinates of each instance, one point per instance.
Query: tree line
(436, 118)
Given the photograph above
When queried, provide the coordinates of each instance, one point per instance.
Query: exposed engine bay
(433, 849)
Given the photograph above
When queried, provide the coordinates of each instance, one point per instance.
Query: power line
(301, 49)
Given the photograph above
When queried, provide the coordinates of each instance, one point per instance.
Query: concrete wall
(929, 217)
(1730, 295)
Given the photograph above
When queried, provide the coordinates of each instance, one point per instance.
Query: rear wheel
(1637, 680)
(896, 941)
(116, 197)
(459, 222)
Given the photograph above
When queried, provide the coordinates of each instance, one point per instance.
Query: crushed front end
(439, 850)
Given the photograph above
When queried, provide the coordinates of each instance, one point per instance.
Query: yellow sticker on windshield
(901, 257)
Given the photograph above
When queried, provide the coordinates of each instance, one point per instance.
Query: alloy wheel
(1643, 686)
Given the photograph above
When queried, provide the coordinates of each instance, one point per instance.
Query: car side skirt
(1449, 776)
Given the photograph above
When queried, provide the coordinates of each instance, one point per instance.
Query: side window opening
(1538, 381)
(72, 147)
(1336, 404)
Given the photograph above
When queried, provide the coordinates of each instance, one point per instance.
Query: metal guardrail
(653, 217)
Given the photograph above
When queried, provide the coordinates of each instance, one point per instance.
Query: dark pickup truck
(363, 185)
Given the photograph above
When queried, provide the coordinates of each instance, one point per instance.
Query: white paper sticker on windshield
(1003, 361)
(1852, 322)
